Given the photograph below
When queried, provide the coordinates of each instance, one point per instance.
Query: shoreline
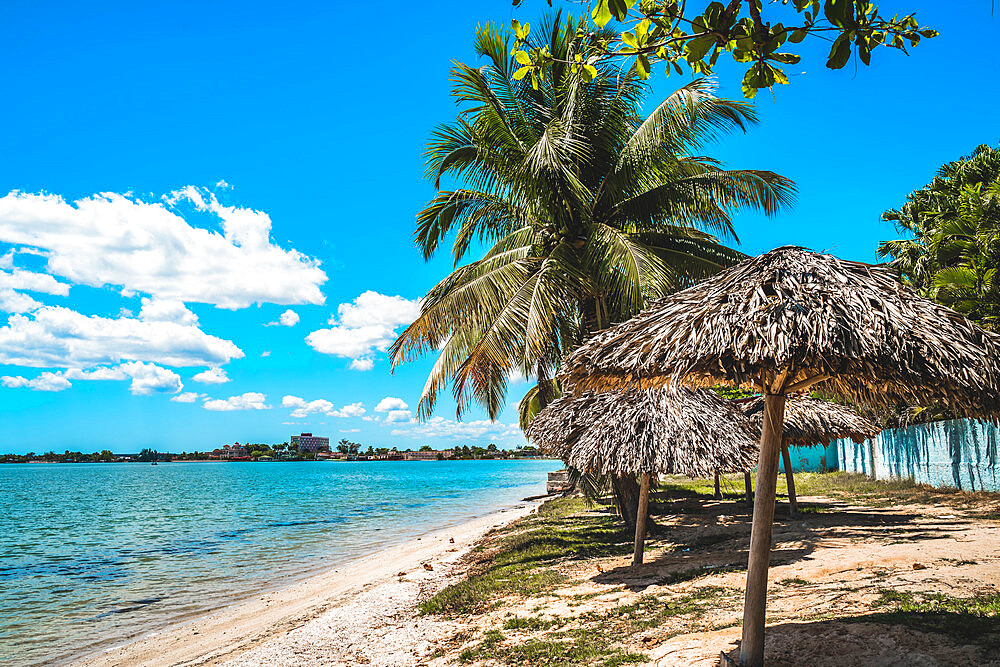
(264, 620)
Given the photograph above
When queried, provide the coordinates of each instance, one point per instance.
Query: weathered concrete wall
(811, 459)
(961, 453)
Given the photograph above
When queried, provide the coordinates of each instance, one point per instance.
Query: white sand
(361, 613)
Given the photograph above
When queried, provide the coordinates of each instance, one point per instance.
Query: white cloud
(150, 248)
(32, 282)
(166, 310)
(265, 353)
(151, 379)
(251, 400)
(211, 376)
(186, 397)
(350, 430)
(15, 302)
(303, 408)
(351, 410)
(366, 326)
(146, 378)
(7, 259)
(439, 427)
(60, 337)
(45, 382)
(289, 318)
(391, 403)
(398, 416)
(362, 364)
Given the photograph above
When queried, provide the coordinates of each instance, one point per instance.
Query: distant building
(428, 456)
(307, 442)
(229, 453)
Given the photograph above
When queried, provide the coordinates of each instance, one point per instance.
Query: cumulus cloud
(15, 302)
(166, 310)
(186, 397)
(32, 282)
(364, 327)
(304, 408)
(391, 403)
(146, 378)
(398, 416)
(45, 382)
(54, 336)
(211, 376)
(251, 400)
(289, 318)
(151, 248)
(363, 364)
(439, 427)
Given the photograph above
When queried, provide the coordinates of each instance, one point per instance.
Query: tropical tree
(586, 208)
(951, 248)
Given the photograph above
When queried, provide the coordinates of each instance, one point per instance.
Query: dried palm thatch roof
(815, 315)
(810, 421)
(682, 431)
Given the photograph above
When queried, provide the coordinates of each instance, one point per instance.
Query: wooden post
(793, 504)
(718, 491)
(749, 486)
(754, 607)
(640, 519)
(872, 460)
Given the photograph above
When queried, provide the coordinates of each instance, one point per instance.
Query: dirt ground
(855, 579)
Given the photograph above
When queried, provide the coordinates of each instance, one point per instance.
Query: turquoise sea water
(94, 554)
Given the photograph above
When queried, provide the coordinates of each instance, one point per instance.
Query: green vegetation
(554, 650)
(586, 207)
(692, 35)
(974, 620)
(951, 252)
(521, 559)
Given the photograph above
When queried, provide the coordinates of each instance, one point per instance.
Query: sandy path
(328, 619)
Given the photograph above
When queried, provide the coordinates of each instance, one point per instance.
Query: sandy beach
(327, 619)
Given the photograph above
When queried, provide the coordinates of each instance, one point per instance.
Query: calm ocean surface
(93, 554)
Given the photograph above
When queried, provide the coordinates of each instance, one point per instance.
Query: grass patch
(520, 560)
(794, 581)
(530, 623)
(975, 620)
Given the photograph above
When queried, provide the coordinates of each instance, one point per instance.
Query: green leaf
(840, 52)
(589, 72)
(522, 57)
(840, 12)
(779, 75)
(519, 74)
(642, 66)
(797, 36)
(696, 49)
(516, 25)
(601, 13)
(630, 39)
(749, 83)
(786, 58)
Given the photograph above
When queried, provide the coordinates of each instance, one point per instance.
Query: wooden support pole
(786, 459)
(718, 489)
(755, 603)
(748, 483)
(640, 519)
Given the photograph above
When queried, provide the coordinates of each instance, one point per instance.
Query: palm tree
(586, 209)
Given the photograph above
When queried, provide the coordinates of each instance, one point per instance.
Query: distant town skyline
(200, 242)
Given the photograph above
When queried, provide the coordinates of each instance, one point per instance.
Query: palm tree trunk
(748, 483)
(718, 491)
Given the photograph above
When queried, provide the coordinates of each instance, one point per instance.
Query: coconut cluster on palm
(780, 323)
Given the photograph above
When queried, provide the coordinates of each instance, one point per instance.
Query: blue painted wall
(811, 459)
(961, 454)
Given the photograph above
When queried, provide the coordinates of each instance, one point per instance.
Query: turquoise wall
(960, 453)
(811, 459)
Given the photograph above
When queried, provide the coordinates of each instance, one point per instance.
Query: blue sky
(180, 175)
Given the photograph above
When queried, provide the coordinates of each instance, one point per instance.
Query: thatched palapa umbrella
(680, 431)
(809, 422)
(780, 323)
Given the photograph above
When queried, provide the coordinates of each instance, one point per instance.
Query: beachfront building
(429, 455)
(230, 453)
(307, 442)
